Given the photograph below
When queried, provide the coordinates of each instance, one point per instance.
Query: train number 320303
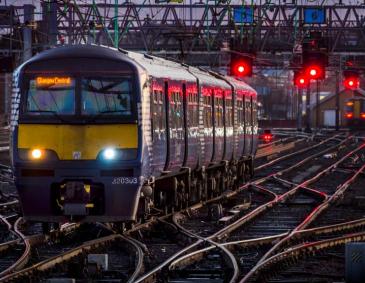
(125, 181)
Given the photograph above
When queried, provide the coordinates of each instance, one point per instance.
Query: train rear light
(36, 153)
(362, 115)
(267, 137)
(349, 115)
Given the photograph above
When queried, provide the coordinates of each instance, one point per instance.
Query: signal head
(315, 72)
(351, 83)
(300, 80)
(241, 66)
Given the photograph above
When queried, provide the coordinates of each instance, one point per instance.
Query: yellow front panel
(67, 139)
(357, 109)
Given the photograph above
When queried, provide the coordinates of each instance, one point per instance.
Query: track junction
(303, 206)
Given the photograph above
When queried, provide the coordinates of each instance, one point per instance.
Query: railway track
(212, 226)
(268, 246)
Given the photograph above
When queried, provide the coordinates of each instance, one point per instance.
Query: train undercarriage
(173, 192)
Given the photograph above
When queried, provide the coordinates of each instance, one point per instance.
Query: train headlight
(123, 154)
(36, 153)
(109, 153)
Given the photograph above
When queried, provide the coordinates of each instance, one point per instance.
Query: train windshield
(51, 95)
(109, 96)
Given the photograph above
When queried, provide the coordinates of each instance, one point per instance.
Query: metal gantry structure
(201, 32)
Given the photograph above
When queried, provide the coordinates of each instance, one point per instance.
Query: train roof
(155, 66)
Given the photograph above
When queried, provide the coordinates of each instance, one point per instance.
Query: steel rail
(297, 251)
(302, 186)
(296, 153)
(66, 256)
(140, 254)
(30, 241)
(232, 259)
(225, 195)
(263, 145)
(318, 209)
(228, 229)
(282, 197)
(314, 214)
(22, 261)
(274, 149)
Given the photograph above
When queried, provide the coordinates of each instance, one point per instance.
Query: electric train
(100, 134)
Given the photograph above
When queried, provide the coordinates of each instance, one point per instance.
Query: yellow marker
(89, 205)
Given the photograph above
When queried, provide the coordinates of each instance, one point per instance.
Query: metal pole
(27, 31)
(299, 109)
(337, 101)
(308, 110)
(53, 29)
(191, 13)
(317, 106)
(116, 27)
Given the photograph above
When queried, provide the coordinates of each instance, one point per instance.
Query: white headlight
(109, 153)
(36, 153)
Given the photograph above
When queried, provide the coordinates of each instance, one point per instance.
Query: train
(355, 112)
(109, 135)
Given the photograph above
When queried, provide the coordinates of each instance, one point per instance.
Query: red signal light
(267, 137)
(315, 72)
(242, 69)
(241, 65)
(362, 115)
(300, 80)
(351, 83)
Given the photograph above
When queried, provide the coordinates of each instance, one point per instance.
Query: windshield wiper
(54, 113)
(101, 113)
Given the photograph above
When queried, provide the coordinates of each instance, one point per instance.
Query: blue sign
(243, 15)
(314, 16)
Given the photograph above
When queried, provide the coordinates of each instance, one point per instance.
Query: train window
(219, 111)
(229, 112)
(106, 95)
(46, 98)
(193, 112)
(207, 111)
(254, 116)
(155, 96)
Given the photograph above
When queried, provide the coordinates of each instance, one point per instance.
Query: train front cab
(355, 113)
(76, 143)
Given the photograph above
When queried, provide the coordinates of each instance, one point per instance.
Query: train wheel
(194, 193)
(252, 170)
(215, 212)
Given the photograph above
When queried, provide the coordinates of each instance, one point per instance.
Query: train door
(248, 125)
(254, 125)
(158, 127)
(207, 110)
(240, 127)
(218, 134)
(228, 125)
(192, 125)
(176, 126)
